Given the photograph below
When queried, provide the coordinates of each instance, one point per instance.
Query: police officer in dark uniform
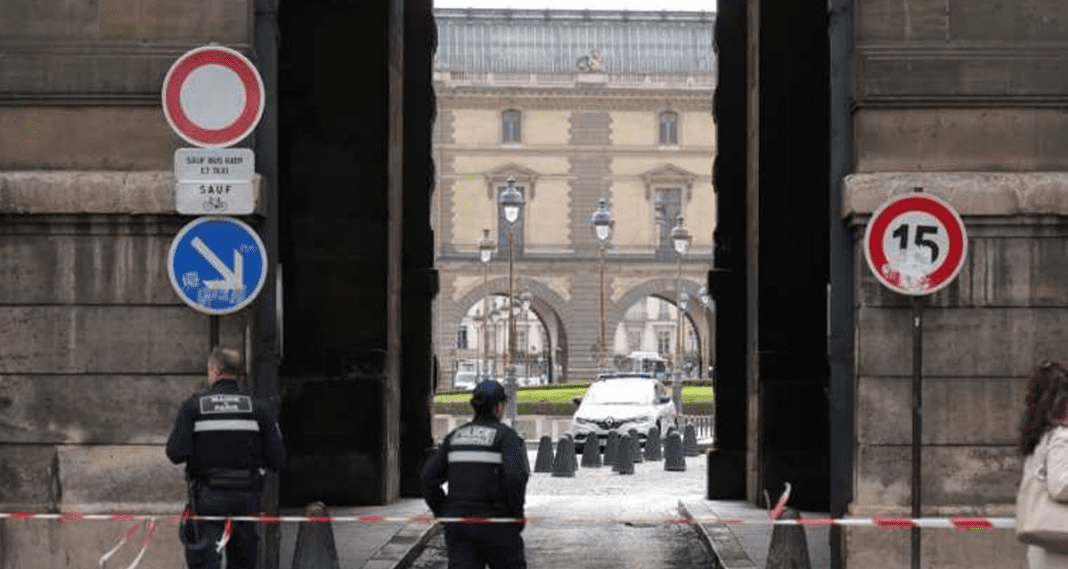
(485, 463)
(228, 439)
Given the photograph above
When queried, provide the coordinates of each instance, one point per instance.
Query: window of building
(663, 312)
(521, 342)
(461, 338)
(634, 340)
(669, 127)
(663, 342)
(511, 126)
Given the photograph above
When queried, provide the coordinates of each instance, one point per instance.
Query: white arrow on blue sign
(217, 264)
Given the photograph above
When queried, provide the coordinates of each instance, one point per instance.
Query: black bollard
(544, 462)
(788, 550)
(591, 452)
(624, 463)
(673, 459)
(652, 445)
(315, 542)
(564, 462)
(635, 446)
(611, 448)
(574, 459)
(689, 441)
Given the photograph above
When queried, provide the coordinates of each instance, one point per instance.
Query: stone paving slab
(745, 545)
(372, 545)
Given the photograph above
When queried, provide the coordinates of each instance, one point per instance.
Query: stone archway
(545, 303)
(701, 319)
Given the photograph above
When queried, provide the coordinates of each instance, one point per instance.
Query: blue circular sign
(217, 265)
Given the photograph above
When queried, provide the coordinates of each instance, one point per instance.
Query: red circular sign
(213, 96)
(915, 244)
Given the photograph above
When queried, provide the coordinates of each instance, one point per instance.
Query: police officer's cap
(489, 391)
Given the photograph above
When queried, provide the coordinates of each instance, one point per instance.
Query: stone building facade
(98, 350)
(578, 106)
(967, 101)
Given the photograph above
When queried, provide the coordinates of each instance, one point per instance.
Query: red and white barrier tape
(960, 522)
(150, 534)
(219, 545)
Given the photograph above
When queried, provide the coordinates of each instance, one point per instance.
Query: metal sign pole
(214, 332)
(917, 421)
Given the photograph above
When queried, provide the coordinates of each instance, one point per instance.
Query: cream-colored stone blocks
(476, 127)
(696, 130)
(546, 215)
(472, 212)
(469, 163)
(634, 128)
(634, 214)
(543, 127)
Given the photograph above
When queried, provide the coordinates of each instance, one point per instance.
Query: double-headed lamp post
(680, 237)
(485, 251)
(603, 224)
(512, 202)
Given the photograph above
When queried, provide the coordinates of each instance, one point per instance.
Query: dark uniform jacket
(485, 463)
(224, 429)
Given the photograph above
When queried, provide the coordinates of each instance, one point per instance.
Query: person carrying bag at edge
(1042, 499)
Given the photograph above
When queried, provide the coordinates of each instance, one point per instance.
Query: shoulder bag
(1040, 520)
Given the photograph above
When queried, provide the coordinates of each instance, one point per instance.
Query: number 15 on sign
(915, 244)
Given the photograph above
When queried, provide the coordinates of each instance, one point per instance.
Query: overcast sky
(673, 5)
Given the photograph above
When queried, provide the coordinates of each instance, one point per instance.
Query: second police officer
(485, 464)
(227, 438)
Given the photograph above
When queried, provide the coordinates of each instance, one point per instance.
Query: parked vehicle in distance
(465, 379)
(621, 403)
(648, 362)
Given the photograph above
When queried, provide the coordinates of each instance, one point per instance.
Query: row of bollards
(621, 452)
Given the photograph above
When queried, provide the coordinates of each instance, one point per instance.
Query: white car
(621, 403)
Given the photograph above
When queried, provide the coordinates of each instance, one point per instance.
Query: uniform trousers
(475, 545)
(241, 550)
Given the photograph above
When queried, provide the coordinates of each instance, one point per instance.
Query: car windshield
(620, 393)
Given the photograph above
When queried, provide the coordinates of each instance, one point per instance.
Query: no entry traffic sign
(213, 96)
(915, 244)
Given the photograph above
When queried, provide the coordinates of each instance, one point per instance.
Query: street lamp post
(485, 250)
(680, 237)
(602, 224)
(706, 301)
(511, 202)
(525, 299)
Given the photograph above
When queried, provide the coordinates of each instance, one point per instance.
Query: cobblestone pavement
(600, 519)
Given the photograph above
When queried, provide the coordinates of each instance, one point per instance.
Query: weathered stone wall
(98, 350)
(981, 337)
(98, 354)
(966, 99)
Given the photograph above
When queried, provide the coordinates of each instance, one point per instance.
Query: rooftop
(566, 41)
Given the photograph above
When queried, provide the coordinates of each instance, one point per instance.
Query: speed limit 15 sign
(915, 244)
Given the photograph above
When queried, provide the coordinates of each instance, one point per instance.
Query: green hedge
(557, 399)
